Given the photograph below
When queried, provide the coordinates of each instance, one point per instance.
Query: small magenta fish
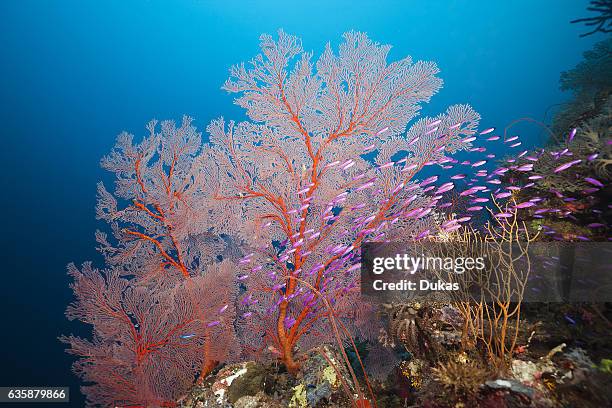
(409, 167)
(434, 123)
(571, 135)
(525, 204)
(428, 180)
(368, 148)
(487, 131)
(525, 167)
(398, 188)
(566, 166)
(383, 130)
(596, 225)
(593, 181)
(422, 235)
(431, 131)
(445, 187)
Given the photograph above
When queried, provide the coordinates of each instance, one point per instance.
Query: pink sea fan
(148, 342)
(305, 114)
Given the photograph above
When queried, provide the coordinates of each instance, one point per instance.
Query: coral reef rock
(250, 384)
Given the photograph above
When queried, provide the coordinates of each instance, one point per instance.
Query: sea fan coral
(149, 342)
(336, 169)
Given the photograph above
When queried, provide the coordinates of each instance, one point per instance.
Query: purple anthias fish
(566, 165)
(596, 225)
(431, 131)
(445, 187)
(422, 235)
(593, 181)
(479, 163)
(413, 141)
(398, 188)
(409, 167)
(525, 204)
(571, 135)
(434, 123)
(569, 319)
(383, 130)
(347, 165)
(289, 322)
(428, 180)
(364, 186)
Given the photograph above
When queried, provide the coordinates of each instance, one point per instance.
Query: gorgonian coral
(322, 165)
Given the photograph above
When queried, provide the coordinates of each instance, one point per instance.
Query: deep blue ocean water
(73, 74)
